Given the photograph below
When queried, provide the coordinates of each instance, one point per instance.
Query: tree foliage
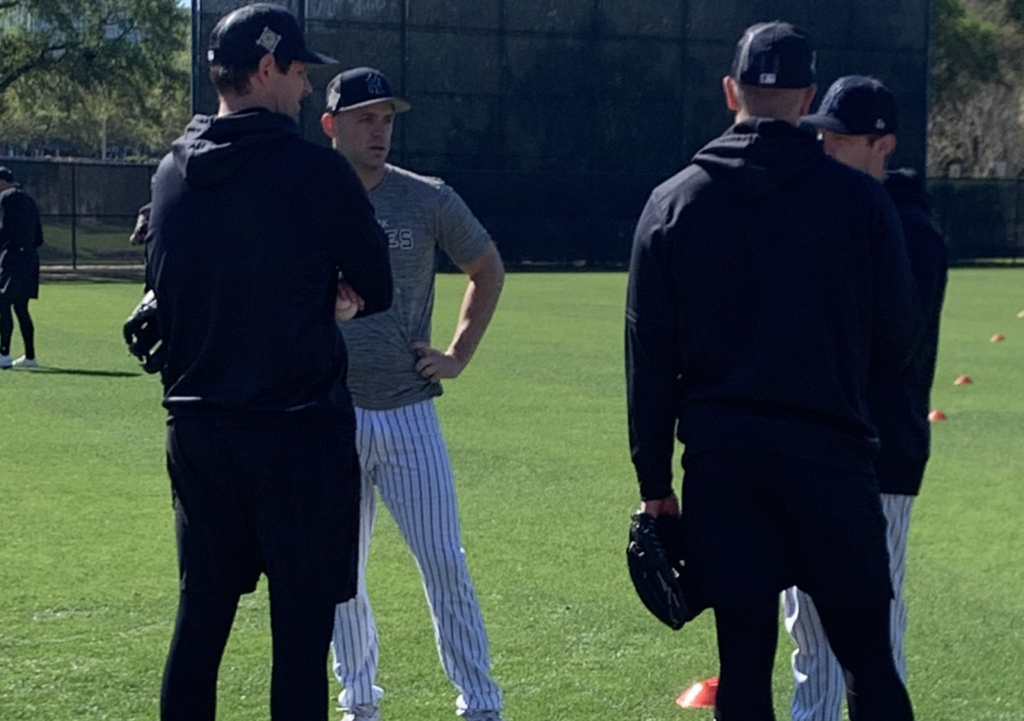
(71, 68)
(965, 49)
(977, 113)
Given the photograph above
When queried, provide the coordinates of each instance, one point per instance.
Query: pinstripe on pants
(820, 687)
(403, 454)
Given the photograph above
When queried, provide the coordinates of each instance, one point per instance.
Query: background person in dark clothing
(21, 233)
(138, 234)
(245, 258)
(858, 124)
(765, 279)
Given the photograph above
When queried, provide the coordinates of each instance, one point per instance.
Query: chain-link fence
(581, 220)
(88, 209)
(980, 219)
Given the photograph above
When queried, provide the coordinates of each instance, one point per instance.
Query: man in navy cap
(395, 374)
(766, 278)
(858, 124)
(245, 260)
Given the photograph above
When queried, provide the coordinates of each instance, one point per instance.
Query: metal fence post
(197, 20)
(74, 218)
(1016, 222)
(403, 74)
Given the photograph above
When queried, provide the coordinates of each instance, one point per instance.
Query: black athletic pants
(301, 635)
(28, 330)
(859, 636)
(270, 493)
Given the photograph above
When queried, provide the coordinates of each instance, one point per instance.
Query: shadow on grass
(76, 372)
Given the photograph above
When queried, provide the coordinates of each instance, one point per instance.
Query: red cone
(937, 415)
(963, 380)
(700, 695)
(997, 337)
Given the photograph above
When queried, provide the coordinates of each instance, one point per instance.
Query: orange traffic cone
(997, 337)
(963, 380)
(937, 415)
(699, 695)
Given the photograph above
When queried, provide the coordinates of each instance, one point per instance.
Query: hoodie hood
(758, 156)
(213, 148)
(906, 186)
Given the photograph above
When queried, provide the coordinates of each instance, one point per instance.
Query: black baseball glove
(655, 565)
(142, 334)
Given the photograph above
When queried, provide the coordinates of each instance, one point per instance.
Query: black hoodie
(765, 279)
(249, 228)
(21, 233)
(899, 403)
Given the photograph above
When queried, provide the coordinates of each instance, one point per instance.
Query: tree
(980, 134)
(71, 68)
(965, 49)
(976, 121)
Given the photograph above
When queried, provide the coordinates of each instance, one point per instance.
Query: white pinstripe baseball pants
(820, 687)
(403, 454)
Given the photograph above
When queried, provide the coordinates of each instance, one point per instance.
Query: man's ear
(267, 66)
(731, 97)
(809, 93)
(327, 125)
(887, 145)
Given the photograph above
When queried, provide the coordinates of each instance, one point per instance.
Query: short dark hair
(769, 102)
(234, 78)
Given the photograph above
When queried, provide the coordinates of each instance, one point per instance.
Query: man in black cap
(395, 375)
(765, 279)
(857, 121)
(21, 233)
(245, 259)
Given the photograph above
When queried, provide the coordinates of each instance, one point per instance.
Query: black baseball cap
(774, 55)
(247, 34)
(6, 174)
(856, 105)
(357, 87)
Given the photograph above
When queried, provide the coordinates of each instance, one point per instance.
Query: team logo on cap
(375, 84)
(880, 124)
(268, 40)
(767, 79)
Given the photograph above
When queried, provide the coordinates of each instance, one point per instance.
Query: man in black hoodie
(21, 234)
(765, 279)
(245, 258)
(858, 124)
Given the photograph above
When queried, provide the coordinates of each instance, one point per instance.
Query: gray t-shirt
(419, 215)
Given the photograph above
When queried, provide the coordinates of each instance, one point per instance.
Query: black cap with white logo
(774, 55)
(247, 34)
(856, 105)
(358, 87)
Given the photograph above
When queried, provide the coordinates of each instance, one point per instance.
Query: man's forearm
(486, 280)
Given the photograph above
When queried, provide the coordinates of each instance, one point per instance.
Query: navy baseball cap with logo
(245, 35)
(774, 55)
(856, 105)
(358, 87)
(6, 174)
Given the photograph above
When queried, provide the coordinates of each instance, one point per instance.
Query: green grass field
(536, 428)
(94, 241)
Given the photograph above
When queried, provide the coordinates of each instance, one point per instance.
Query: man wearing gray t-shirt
(394, 374)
